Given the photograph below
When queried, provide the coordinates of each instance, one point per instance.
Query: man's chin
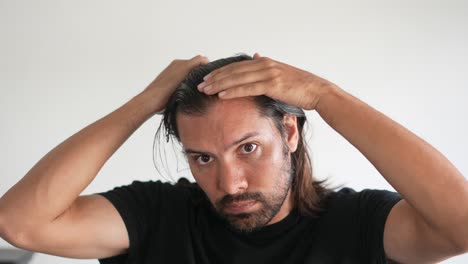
(245, 222)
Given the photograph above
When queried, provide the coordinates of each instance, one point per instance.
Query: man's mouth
(239, 207)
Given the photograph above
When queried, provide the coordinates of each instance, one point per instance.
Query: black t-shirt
(169, 223)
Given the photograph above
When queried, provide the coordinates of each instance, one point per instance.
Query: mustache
(228, 199)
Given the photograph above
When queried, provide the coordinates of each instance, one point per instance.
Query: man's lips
(239, 207)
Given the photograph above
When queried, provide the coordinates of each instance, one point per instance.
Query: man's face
(241, 162)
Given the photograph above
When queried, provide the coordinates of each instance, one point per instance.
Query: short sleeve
(137, 204)
(373, 208)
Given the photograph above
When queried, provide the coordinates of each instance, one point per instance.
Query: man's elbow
(2, 225)
(463, 234)
(462, 240)
(11, 234)
(465, 247)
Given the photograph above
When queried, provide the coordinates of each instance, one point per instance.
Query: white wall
(64, 64)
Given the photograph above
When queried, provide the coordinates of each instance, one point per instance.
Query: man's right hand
(44, 211)
(168, 80)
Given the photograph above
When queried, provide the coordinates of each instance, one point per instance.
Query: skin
(429, 224)
(74, 225)
(230, 167)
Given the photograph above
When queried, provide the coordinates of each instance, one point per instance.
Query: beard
(270, 203)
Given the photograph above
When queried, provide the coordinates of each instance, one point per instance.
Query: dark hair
(306, 192)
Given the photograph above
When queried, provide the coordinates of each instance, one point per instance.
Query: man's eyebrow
(246, 136)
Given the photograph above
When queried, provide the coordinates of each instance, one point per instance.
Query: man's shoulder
(182, 184)
(349, 211)
(156, 190)
(350, 193)
(350, 200)
(189, 188)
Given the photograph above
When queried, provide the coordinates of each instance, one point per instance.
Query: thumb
(200, 59)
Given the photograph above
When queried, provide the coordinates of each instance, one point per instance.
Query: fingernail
(200, 85)
(207, 89)
(221, 94)
(207, 77)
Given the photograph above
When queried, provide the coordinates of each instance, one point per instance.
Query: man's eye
(249, 148)
(203, 159)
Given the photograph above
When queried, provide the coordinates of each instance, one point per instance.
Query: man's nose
(231, 178)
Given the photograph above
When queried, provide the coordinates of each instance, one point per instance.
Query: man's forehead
(222, 113)
(223, 122)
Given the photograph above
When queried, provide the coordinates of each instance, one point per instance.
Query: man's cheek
(265, 160)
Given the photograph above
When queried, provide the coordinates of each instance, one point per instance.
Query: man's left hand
(264, 76)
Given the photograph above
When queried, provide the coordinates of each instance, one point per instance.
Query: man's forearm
(422, 175)
(52, 185)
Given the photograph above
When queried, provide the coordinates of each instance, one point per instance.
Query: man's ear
(292, 133)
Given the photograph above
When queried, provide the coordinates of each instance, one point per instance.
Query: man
(246, 206)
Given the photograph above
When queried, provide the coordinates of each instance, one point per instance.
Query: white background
(64, 64)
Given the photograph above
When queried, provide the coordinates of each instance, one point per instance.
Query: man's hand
(264, 76)
(167, 81)
(69, 225)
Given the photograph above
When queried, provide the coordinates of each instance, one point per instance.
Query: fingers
(244, 78)
(241, 66)
(230, 69)
(237, 79)
(199, 60)
(236, 69)
(251, 89)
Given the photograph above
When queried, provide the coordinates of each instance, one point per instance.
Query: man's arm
(43, 211)
(48, 194)
(430, 224)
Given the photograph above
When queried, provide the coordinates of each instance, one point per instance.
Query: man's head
(247, 154)
(240, 160)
